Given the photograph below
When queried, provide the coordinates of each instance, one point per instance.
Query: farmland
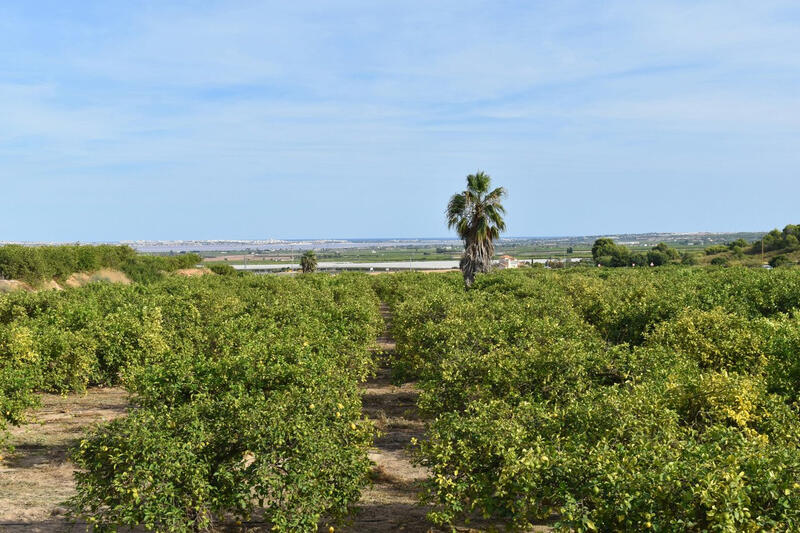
(660, 400)
(584, 399)
(417, 267)
(244, 394)
(419, 250)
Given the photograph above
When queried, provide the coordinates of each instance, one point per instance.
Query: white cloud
(253, 91)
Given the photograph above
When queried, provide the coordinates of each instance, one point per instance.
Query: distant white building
(506, 261)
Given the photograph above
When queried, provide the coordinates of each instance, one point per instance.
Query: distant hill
(778, 248)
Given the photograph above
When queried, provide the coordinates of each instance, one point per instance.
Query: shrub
(68, 360)
(222, 269)
(608, 400)
(657, 257)
(716, 249)
(720, 398)
(34, 264)
(18, 375)
(618, 459)
(783, 346)
(779, 260)
(715, 339)
(607, 253)
(288, 457)
(151, 268)
(246, 401)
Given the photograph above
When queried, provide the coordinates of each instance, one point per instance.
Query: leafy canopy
(477, 215)
(308, 261)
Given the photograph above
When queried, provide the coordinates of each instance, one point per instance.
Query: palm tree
(308, 261)
(477, 216)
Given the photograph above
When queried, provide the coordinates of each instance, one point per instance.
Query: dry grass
(79, 279)
(192, 272)
(10, 285)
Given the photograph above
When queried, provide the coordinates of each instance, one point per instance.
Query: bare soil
(391, 503)
(9, 285)
(37, 476)
(192, 272)
(79, 279)
(50, 285)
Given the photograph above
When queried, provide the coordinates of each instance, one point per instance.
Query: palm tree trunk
(477, 258)
(469, 274)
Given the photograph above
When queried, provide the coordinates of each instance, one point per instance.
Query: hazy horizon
(383, 239)
(168, 120)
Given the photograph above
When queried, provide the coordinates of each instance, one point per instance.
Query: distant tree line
(34, 264)
(737, 247)
(606, 252)
(786, 241)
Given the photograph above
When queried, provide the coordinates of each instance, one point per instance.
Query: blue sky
(179, 120)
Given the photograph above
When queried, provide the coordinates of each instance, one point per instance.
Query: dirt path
(391, 503)
(37, 476)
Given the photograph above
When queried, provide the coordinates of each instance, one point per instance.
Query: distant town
(699, 239)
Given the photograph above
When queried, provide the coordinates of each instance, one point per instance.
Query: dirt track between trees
(390, 504)
(37, 477)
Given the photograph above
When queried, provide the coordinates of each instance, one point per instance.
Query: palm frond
(495, 196)
(455, 209)
(479, 182)
(477, 216)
